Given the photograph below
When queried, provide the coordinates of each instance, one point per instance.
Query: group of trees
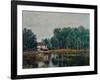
(62, 38)
(29, 40)
(77, 38)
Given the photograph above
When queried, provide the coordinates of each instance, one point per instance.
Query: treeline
(76, 38)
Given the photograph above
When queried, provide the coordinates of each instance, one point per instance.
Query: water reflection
(69, 59)
(58, 59)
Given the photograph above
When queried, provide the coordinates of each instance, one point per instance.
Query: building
(41, 46)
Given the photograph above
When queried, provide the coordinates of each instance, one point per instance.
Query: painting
(55, 39)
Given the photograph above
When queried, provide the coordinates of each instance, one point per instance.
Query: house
(41, 46)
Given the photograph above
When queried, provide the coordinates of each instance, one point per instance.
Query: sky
(43, 23)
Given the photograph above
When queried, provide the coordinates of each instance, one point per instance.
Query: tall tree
(47, 42)
(29, 40)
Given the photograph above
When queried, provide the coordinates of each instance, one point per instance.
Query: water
(62, 59)
(68, 59)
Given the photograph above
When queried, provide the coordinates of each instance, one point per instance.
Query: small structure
(41, 46)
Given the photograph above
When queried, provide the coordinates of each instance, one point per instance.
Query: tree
(54, 42)
(47, 42)
(29, 40)
(76, 38)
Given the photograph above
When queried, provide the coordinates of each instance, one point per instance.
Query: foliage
(69, 38)
(29, 40)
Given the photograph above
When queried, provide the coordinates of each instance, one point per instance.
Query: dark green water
(71, 59)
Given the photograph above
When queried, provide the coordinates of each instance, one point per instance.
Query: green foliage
(48, 43)
(69, 38)
(29, 40)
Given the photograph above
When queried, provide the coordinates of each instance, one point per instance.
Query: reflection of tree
(67, 60)
(69, 38)
(29, 40)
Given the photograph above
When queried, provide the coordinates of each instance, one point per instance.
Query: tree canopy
(69, 38)
(29, 40)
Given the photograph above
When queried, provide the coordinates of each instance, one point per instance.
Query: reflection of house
(41, 46)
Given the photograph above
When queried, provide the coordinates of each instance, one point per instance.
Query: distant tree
(29, 40)
(47, 42)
